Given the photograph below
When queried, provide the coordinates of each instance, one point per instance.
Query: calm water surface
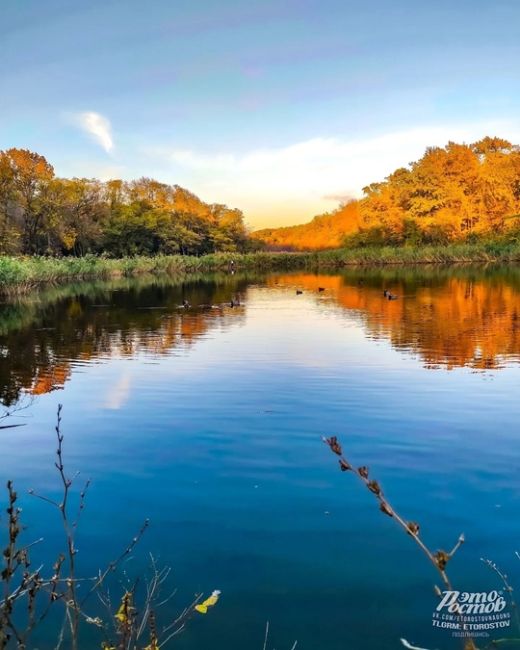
(208, 421)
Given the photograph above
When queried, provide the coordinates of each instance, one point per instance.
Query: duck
(320, 289)
(186, 304)
(299, 292)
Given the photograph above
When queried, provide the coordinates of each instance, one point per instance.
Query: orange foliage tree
(453, 193)
(43, 214)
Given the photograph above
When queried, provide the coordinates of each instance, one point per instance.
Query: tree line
(42, 214)
(460, 192)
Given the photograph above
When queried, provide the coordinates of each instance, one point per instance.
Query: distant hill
(459, 192)
(324, 231)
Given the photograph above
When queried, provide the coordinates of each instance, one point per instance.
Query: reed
(31, 596)
(20, 275)
(450, 254)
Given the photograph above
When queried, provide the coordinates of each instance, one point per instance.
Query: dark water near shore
(208, 421)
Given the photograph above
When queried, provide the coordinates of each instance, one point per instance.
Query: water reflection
(448, 317)
(208, 422)
(43, 336)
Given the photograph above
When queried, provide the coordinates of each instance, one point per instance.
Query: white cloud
(98, 127)
(291, 184)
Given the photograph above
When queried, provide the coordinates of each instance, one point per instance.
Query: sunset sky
(282, 108)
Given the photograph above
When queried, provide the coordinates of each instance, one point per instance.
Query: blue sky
(278, 108)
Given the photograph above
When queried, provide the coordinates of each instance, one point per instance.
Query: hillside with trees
(460, 192)
(41, 214)
(324, 231)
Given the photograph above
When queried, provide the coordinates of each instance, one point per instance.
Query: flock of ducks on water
(387, 294)
(235, 302)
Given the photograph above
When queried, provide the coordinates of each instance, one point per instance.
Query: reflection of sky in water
(218, 442)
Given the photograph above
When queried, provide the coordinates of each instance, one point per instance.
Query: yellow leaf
(125, 609)
(202, 608)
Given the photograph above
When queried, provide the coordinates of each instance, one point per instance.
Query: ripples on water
(208, 421)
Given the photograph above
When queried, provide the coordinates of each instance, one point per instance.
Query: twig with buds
(439, 558)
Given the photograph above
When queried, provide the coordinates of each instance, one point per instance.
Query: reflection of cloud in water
(120, 392)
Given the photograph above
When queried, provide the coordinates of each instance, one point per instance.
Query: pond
(208, 420)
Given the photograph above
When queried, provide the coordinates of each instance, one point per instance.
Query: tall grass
(449, 254)
(21, 274)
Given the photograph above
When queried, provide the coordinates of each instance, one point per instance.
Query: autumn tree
(454, 193)
(31, 174)
(9, 234)
(46, 215)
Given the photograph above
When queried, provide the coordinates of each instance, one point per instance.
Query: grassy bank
(22, 274)
(449, 254)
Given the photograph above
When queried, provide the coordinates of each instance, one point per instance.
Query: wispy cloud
(293, 183)
(98, 126)
(339, 198)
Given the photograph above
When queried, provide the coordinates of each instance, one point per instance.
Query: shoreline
(20, 275)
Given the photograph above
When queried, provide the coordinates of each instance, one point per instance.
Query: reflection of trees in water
(452, 317)
(40, 339)
(449, 316)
